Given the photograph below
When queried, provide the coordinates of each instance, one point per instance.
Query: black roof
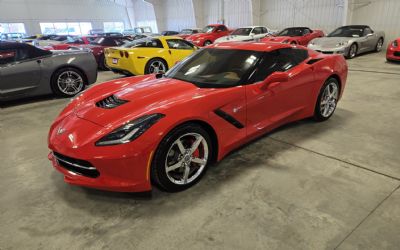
(297, 28)
(356, 26)
(13, 45)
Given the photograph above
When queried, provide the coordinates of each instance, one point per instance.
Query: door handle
(39, 61)
(169, 51)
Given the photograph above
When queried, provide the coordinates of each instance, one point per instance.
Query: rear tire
(178, 163)
(327, 100)
(68, 82)
(156, 65)
(379, 45)
(352, 51)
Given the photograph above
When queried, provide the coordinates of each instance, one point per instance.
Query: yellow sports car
(148, 55)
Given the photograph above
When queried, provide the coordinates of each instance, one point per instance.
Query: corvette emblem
(60, 130)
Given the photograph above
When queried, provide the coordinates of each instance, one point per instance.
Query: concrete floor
(305, 186)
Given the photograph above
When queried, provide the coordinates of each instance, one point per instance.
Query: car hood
(144, 95)
(330, 41)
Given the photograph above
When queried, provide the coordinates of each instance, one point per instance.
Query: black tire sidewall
(102, 63)
(54, 79)
(349, 56)
(317, 110)
(376, 46)
(158, 172)
(147, 68)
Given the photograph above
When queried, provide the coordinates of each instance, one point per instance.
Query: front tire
(379, 45)
(67, 82)
(327, 100)
(182, 158)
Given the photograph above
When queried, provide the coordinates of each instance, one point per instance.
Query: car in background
(295, 35)
(169, 33)
(393, 51)
(210, 33)
(350, 41)
(187, 32)
(95, 32)
(245, 34)
(138, 30)
(167, 129)
(52, 40)
(148, 55)
(98, 45)
(26, 70)
(76, 41)
(12, 36)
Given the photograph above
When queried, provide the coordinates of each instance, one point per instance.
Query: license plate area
(115, 60)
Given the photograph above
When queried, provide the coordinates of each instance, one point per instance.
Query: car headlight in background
(340, 44)
(395, 44)
(130, 131)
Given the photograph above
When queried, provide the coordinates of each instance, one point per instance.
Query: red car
(75, 41)
(393, 51)
(98, 45)
(295, 35)
(209, 35)
(188, 32)
(126, 134)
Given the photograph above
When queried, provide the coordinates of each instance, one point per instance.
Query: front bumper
(393, 54)
(324, 50)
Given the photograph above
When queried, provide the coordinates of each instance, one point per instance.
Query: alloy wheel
(157, 67)
(70, 83)
(329, 99)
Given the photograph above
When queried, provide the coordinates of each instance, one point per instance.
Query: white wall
(179, 14)
(32, 12)
(318, 14)
(144, 14)
(379, 14)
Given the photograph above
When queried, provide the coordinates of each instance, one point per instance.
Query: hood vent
(110, 102)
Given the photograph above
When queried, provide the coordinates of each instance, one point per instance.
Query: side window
(222, 28)
(306, 31)
(279, 61)
(179, 44)
(367, 31)
(257, 30)
(7, 56)
(22, 54)
(264, 30)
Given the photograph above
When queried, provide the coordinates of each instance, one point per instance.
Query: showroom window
(12, 28)
(76, 28)
(113, 26)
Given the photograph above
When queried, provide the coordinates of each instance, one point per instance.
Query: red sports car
(98, 45)
(393, 51)
(188, 32)
(73, 42)
(295, 35)
(127, 134)
(210, 33)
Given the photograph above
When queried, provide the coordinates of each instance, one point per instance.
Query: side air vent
(110, 102)
(312, 61)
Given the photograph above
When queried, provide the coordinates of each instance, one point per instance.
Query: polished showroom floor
(305, 186)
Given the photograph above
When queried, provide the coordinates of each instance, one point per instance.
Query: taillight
(121, 53)
(126, 54)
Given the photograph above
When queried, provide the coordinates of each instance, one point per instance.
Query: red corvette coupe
(393, 51)
(127, 134)
(210, 33)
(295, 35)
(73, 42)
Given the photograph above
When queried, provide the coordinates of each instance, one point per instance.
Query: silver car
(29, 71)
(350, 41)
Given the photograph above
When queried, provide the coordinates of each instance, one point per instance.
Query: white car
(246, 34)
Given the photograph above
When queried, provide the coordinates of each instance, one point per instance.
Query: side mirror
(275, 78)
(370, 34)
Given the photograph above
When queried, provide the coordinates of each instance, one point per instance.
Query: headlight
(341, 44)
(286, 41)
(129, 131)
(395, 44)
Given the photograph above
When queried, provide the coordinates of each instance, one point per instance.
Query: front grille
(110, 102)
(397, 53)
(80, 167)
(327, 52)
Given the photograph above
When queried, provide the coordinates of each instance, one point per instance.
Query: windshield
(208, 29)
(215, 68)
(186, 31)
(347, 32)
(292, 32)
(242, 32)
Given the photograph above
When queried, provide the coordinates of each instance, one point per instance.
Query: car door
(20, 71)
(367, 41)
(282, 102)
(178, 50)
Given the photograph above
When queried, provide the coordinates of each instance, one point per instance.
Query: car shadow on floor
(259, 153)
(28, 100)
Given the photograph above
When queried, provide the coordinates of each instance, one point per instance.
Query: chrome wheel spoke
(186, 174)
(199, 161)
(175, 166)
(180, 146)
(196, 144)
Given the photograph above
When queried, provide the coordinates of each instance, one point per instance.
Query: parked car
(98, 45)
(250, 33)
(169, 33)
(51, 40)
(187, 32)
(295, 35)
(209, 35)
(76, 41)
(149, 55)
(138, 30)
(350, 41)
(29, 71)
(167, 129)
(393, 51)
